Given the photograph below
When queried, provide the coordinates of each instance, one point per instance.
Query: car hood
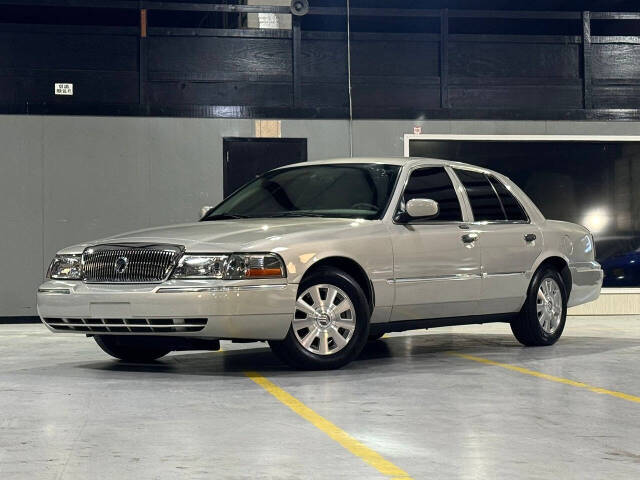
(233, 235)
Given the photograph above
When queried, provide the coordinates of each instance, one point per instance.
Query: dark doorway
(246, 158)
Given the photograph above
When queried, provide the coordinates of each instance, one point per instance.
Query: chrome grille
(129, 263)
(127, 325)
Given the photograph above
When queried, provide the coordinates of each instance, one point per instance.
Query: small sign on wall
(63, 89)
(268, 128)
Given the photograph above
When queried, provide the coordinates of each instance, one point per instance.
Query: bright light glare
(596, 220)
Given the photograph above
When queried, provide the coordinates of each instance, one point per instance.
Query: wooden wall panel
(220, 93)
(102, 68)
(616, 96)
(193, 71)
(616, 60)
(210, 55)
(396, 96)
(325, 95)
(505, 60)
(68, 51)
(395, 58)
(88, 87)
(616, 75)
(324, 60)
(540, 97)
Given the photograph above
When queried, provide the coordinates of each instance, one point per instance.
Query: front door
(509, 242)
(436, 261)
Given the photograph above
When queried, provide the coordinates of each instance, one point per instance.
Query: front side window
(434, 183)
(334, 190)
(485, 204)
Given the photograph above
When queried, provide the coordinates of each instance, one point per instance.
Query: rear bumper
(227, 309)
(586, 282)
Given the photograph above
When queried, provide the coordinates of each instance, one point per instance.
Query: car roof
(401, 161)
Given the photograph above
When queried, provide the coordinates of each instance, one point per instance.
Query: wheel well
(561, 266)
(351, 267)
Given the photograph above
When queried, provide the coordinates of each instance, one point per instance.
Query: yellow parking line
(566, 381)
(343, 438)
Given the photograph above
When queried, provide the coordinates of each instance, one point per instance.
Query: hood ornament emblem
(121, 265)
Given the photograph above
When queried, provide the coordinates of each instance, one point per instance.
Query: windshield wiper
(297, 214)
(224, 216)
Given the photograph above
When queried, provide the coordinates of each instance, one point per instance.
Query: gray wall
(69, 179)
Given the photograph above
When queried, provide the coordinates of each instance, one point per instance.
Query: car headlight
(236, 266)
(65, 267)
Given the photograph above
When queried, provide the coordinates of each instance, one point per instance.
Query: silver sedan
(320, 257)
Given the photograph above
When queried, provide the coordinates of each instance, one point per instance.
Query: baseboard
(612, 301)
(14, 320)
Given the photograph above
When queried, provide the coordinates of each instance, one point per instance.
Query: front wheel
(330, 325)
(544, 313)
(131, 349)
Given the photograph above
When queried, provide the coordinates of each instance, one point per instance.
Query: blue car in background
(620, 260)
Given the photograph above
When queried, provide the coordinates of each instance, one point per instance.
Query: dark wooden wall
(302, 72)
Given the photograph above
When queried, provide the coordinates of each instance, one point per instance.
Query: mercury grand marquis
(318, 258)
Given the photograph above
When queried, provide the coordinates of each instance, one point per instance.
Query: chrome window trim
(380, 216)
(488, 174)
(528, 220)
(410, 171)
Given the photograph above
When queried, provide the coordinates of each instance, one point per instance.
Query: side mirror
(422, 207)
(204, 210)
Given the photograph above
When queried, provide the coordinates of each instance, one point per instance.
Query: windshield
(354, 190)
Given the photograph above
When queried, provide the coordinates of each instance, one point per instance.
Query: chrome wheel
(325, 319)
(549, 305)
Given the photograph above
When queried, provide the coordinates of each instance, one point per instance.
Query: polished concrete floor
(69, 412)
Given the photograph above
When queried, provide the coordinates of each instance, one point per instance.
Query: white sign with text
(63, 89)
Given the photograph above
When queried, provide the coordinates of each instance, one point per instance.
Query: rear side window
(485, 204)
(434, 183)
(512, 207)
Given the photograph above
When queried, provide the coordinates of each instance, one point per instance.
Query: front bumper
(586, 282)
(222, 309)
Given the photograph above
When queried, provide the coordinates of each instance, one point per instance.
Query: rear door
(509, 243)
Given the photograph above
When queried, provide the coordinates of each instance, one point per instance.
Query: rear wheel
(330, 324)
(544, 313)
(131, 349)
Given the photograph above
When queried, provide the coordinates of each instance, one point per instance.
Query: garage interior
(124, 114)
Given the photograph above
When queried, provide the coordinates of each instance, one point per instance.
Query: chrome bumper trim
(234, 288)
(55, 291)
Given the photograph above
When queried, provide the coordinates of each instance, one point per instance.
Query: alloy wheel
(549, 305)
(324, 320)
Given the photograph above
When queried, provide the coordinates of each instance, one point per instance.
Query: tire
(375, 336)
(132, 349)
(544, 313)
(326, 333)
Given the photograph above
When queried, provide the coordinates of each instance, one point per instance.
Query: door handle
(530, 237)
(469, 237)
